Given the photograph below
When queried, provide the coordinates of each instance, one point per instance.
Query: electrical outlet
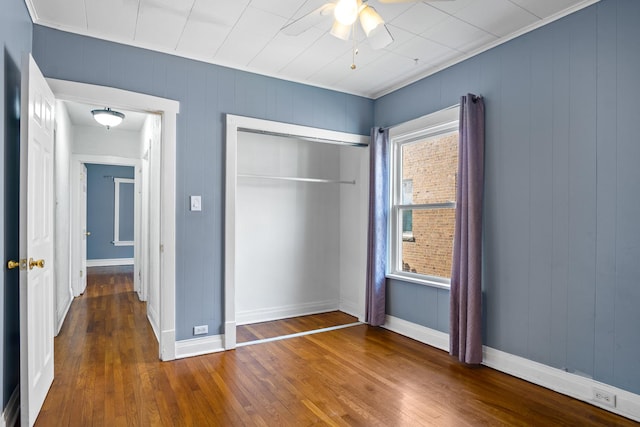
(200, 330)
(604, 397)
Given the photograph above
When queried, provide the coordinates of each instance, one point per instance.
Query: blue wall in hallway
(206, 92)
(15, 41)
(561, 234)
(100, 212)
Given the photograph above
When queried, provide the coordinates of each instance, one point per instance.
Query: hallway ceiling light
(108, 117)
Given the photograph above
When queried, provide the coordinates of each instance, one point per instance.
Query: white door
(36, 242)
(83, 226)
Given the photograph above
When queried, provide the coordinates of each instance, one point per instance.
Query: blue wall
(100, 212)
(206, 92)
(562, 241)
(15, 41)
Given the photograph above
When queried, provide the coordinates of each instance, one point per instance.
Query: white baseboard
(109, 262)
(11, 412)
(229, 337)
(351, 308)
(168, 345)
(63, 315)
(420, 333)
(283, 312)
(199, 346)
(578, 387)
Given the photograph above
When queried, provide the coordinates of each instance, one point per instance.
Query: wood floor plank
(108, 374)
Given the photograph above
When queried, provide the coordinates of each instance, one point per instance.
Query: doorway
(160, 243)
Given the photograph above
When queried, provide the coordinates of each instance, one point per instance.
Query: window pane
(430, 166)
(429, 249)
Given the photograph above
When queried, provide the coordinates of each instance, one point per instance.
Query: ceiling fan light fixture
(370, 19)
(346, 12)
(108, 117)
(340, 31)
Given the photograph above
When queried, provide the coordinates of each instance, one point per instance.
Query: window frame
(117, 182)
(432, 125)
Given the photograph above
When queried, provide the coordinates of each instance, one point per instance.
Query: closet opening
(295, 233)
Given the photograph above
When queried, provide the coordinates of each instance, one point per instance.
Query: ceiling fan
(346, 13)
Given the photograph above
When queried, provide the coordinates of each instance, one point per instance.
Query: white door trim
(237, 124)
(77, 163)
(168, 110)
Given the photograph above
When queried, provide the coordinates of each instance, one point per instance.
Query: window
(424, 169)
(123, 212)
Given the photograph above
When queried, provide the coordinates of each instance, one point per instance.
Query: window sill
(418, 280)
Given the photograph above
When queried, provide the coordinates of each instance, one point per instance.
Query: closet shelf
(294, 178)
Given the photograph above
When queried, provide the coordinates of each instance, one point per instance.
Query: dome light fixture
(108, 117)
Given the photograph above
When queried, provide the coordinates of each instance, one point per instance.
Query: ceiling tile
(287, 8)
(419, 17)
(283, 49)
(201, 38)
(252, 32)
(390, 11)
(458, 35)
(387, 69)
(545, 8)
(326, 49)
(498, 17)
(69, 13)
(452, 7)
(425, 51)
(340, 68)
(161, 25)
(101, 15)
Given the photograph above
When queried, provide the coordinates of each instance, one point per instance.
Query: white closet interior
(300, 222)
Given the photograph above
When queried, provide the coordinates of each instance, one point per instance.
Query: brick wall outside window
(432, 166)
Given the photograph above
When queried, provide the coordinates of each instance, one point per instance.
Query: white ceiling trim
(374, 95)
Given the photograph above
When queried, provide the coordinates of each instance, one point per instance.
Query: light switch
(196, 203)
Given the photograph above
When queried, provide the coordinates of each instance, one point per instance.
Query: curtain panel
(465, 337)
(377, 232)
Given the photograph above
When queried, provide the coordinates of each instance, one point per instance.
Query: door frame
(77, 162)
(167, 109)
(234, 125)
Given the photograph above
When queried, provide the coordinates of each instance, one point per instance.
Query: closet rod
(304, 138)
(293, 178)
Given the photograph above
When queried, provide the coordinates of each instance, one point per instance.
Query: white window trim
(116, 212)
(440, 122)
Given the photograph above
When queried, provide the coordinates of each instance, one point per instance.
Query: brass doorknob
(12, 264)
(35, 263)
(87, 233)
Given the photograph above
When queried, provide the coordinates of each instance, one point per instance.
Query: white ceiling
(246, 34)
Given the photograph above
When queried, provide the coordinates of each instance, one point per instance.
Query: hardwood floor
(276, 328)
(108, 374)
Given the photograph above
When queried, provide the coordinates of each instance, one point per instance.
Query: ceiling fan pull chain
(355, 47)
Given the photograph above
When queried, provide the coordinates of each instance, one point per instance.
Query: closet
(300, 215)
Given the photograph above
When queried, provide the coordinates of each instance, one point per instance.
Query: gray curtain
(377, 234)
(465, 304)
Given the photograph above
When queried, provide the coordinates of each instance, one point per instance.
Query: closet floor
(293, 325)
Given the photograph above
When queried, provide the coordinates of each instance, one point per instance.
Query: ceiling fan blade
(307, 21)
(380, 37)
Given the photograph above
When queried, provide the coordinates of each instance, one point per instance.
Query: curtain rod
(382, 129)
